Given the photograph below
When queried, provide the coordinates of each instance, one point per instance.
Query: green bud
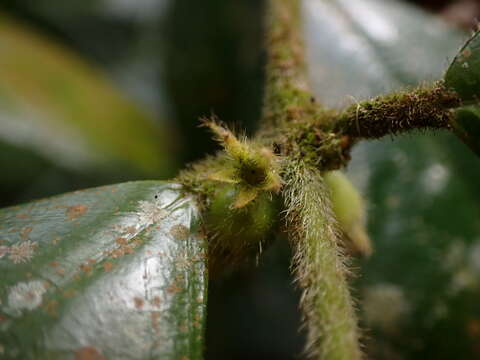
(350, 211)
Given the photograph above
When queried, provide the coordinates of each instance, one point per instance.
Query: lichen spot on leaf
(25, 296)
(151, 212)
(179, 232)
(22, 252)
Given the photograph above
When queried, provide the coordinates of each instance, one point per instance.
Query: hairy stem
(421, 108)
(298, 127)
(286, 85)
(320, 268)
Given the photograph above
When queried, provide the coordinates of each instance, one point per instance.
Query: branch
(421, 108)
(300, 128)
(286, 85)
(320, 267)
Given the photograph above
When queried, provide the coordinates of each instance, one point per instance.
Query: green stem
(286, 87)
(319, 265)
(300, 128)
(421, 108)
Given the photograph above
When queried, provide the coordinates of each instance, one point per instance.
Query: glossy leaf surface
(467, 126)
(463, 74)
(115, 272)
(358, 49)
(419, 291)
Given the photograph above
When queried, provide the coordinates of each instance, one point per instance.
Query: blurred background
(101, 91)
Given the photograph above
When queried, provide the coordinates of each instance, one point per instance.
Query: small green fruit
(238, 233)
(350, 211)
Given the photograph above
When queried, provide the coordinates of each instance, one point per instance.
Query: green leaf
(67, 112)
(463, 74)
(116, 271)
(466, 125)
(419, 291)
(359, 49)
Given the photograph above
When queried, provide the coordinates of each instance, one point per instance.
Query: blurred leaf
(61, 108)
(463, 74)
(467, 126)
(115, 272)
(420, 289)
(364, 48)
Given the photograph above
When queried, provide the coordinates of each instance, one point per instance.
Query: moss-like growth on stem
(421, 108)
(286, 91)
(292, 119)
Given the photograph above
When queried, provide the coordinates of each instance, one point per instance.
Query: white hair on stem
(320, 267)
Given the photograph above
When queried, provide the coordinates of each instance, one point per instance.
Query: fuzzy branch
(304, 129)
(286, 87)
(421, 108)
(320, 267)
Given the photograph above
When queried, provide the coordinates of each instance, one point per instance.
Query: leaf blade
(69, 112)
(118, 271)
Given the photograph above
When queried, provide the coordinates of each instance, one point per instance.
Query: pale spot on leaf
(180, 232)
(151, 213)
(22, 252)
(26, 296)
